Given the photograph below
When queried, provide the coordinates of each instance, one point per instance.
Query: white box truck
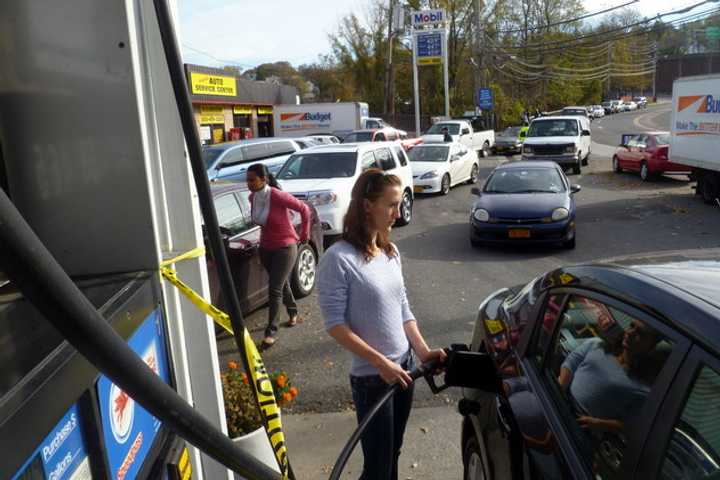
(695, 131)
(313, 118)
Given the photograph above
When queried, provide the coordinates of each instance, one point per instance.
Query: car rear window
(434, 153)
(358, 137)
(319, 165)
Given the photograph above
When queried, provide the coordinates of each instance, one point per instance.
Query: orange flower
(232, 365)
(281, 379)
(293, 392)
(287, 397)
(244, 378)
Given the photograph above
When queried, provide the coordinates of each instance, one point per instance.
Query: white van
(564, 140)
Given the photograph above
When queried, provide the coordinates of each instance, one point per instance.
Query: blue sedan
(524, 202)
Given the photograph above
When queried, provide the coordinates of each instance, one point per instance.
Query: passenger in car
(608, 382)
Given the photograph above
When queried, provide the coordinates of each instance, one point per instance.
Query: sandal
(293, 321)
(268, 342)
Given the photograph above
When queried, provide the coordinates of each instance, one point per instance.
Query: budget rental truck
(314, 118)
(695, 131)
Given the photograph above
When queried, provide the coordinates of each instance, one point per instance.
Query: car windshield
(510, 132)
(525, 180)
(663, 139)
(319, 165)
(427, 153)
(606, 104)
(358, 137)
(553, 128)
(453, 128)
(209, 155)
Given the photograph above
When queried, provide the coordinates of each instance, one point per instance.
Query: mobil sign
(427, 17)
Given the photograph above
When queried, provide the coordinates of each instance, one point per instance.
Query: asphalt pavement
(447, 279)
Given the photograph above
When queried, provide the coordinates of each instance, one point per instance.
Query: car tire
(586, 160)
(474, 173)
(485, 151)
(569, 244)
(645, 174)
(577, 169)
(304, 274)
(709, 188)
(405, 209)
(445, 185)
(616, 165)
(473, 465)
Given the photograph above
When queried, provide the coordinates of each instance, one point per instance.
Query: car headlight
(560, 214)
(430, 174)
(527, 149)
(570, 149)
(481, 215)
(321, 198)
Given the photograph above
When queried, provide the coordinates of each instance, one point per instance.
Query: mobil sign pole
(429, 48)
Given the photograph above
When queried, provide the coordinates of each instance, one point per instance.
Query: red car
(646, 153)
(242, 244)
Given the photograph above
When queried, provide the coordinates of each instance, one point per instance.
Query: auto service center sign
(427, 17)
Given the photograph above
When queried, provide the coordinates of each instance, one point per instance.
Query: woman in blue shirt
(365, 307)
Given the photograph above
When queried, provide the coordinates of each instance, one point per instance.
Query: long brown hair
(369, 186)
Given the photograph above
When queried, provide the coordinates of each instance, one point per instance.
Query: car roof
(680, 288)
(532, 164)
(249, 141)
(557, 117)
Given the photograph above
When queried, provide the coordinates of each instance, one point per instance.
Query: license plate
(519, 233)
(418, 189)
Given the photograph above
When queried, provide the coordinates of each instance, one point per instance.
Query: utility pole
(478, 53)
(609, 68)
(654, 68)
(389, 103)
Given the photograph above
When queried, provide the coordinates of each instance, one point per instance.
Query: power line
(219, 60)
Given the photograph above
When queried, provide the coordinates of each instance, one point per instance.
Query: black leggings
(279, 265)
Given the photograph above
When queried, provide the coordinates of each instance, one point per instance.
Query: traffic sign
(429, 48)
(484, 99)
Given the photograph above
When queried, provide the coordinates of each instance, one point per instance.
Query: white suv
(324, 177)
(564, 140)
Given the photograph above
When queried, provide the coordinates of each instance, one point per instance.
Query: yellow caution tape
(261, 381)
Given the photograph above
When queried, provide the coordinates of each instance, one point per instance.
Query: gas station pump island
(109, 371)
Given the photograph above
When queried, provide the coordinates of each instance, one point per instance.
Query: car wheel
(405, 209)
(474, 468)
(304, 274)
(577, 169)
(616, 165)
(474, 172)
(570, 244)
(644, 172)
(586, 160)
(485, 149)
(709, 188)
(445, 185)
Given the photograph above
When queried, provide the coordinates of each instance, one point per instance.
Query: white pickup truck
(462, 131)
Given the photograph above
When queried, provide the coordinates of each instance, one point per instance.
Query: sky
(246, 33)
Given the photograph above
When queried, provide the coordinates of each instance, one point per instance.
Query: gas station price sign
(429, 47)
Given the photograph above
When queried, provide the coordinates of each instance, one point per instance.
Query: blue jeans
(383, 437)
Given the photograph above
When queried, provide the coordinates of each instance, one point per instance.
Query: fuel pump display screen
(61, 456)
(129, 429)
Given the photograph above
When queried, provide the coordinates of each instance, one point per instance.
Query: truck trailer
(315, 118)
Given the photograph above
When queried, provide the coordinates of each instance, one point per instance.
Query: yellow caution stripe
(260, 380)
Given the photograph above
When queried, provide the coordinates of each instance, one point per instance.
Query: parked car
(608, 107)
(438, 166)
(606, 371)
(598, 111)
(325, 138)
(631, 106)
(524, 202)
(386, 134)
(646, 153)
(510, 140)
(462, 131)
(565, 140)
(641, 102)
(324, 177)
(572, 111)
(229, 161)
(242, 242)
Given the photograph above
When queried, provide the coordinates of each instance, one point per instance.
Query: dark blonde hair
(369, 186)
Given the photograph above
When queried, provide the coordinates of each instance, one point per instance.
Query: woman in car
(278, 241)
(609, 380)
(363, 300)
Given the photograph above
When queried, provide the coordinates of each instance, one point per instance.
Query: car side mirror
(476, 191)
(586, 133)
(575, 188)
